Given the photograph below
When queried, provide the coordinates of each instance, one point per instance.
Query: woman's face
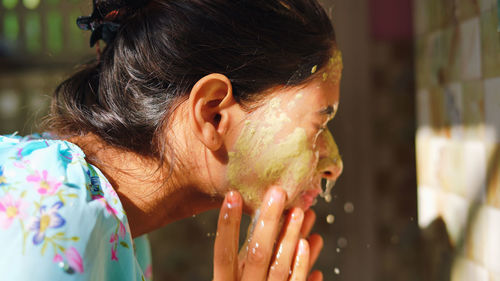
(286, 142)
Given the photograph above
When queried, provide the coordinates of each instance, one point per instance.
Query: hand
(293, 256)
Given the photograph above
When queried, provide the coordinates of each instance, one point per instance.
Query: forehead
(323, 89)
(311, 96)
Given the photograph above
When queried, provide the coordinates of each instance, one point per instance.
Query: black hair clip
(105, 30)
(105, 18)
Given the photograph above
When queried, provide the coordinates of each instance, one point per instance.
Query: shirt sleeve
(60, 218)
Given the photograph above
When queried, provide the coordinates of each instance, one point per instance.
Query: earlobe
(211, 138)
(210, 104)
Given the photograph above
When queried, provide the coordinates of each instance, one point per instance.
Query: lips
(308, 197)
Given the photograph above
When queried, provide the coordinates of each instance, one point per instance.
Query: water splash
(251, 227)
(349, 207)
(326, 194)
(328, 198)
(330, 218)
(342, 242)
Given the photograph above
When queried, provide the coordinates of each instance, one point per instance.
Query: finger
(301, 263)
(315, 276)
(309, 219)
(262, 241)
(315, 246)
(280, 266)
(226, 240)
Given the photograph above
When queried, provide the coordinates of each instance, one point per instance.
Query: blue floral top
(60, 218)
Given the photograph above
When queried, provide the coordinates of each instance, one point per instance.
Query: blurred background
(418, 129)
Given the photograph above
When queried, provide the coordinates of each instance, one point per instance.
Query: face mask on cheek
(265, 155)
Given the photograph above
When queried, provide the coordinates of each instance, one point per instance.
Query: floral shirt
(60, 218)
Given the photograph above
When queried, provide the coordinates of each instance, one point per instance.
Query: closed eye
(329, 110)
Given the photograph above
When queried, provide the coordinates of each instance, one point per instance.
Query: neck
(152, 197)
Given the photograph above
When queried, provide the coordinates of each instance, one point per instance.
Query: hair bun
(106, 17)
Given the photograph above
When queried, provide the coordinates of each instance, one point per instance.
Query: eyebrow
(326, 111)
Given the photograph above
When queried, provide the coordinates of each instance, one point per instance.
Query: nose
(333, 170)
(330, 168)
(330, 164)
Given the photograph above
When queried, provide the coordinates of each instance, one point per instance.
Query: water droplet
(326, 194)
(349, 207)
(336, 271)
(279, 252)
(226, 216)
(330, 219)
(342, 242)
(328, 198)
(254, 249)
(270, 202)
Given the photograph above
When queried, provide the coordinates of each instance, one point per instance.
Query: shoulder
(59, 211)
(43, 169)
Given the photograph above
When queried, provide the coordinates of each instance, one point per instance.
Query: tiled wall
(458, 138)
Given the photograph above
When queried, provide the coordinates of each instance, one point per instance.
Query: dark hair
(162, 49)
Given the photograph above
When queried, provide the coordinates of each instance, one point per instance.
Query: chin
(306, 194)
(302, 195)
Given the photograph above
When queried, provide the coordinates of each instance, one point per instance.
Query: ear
(211, 107)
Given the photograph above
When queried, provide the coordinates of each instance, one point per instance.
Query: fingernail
(232, 199)
(277, 194)
(297, 214)
(302, 246)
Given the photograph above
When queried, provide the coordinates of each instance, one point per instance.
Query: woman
(190, 103)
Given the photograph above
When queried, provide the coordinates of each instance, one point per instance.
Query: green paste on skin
(288, 162)
(333, 157)
(258, 160)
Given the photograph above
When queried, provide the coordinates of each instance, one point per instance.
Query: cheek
(259, 161)
(289, 162)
